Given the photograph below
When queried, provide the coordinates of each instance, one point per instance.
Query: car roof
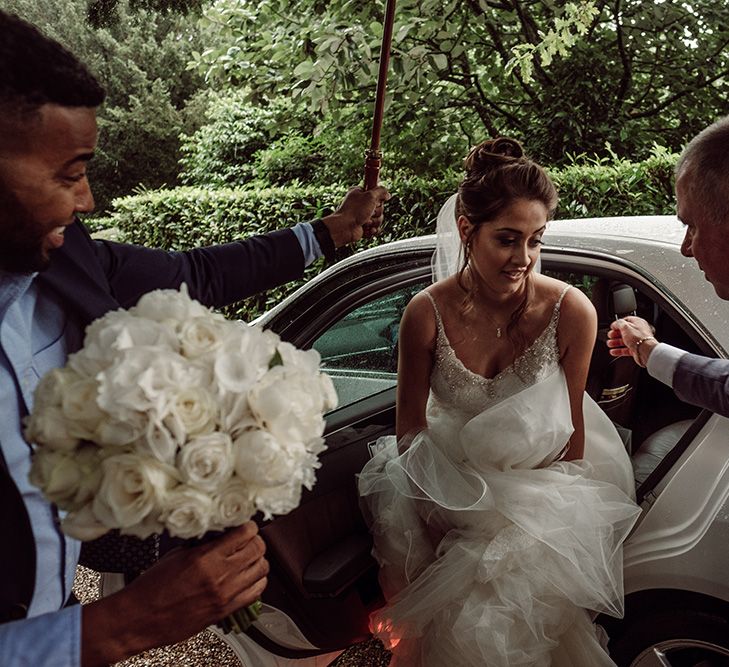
(648, 244)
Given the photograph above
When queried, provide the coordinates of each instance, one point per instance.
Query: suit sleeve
(704, 382)
(216, 275)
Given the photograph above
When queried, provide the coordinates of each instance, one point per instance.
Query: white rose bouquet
(173, 418)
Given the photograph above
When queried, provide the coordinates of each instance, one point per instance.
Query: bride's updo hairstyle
(497, 174)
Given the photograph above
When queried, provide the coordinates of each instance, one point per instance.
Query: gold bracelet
(643, 340)
(637, 349)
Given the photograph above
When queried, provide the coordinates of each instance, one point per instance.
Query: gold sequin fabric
(205, 649)
(366, 654)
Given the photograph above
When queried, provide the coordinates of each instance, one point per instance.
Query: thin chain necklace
(495, 323)
(499, 327)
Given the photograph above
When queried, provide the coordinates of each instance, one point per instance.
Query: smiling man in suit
(702, 196)
(54, 280)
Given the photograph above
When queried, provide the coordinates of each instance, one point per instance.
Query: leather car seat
(612, 381)
(655, 447)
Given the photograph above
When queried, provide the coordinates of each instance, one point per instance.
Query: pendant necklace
(498, 328)
(495, 323)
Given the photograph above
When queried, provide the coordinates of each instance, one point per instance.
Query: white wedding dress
(490, 551)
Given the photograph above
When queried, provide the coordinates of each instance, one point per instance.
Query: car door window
(359, 351)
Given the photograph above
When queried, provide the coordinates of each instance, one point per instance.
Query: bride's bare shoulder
(419, 318)
(574, 303)
(576, 312)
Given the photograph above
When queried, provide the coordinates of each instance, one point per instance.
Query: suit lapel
(76, 275)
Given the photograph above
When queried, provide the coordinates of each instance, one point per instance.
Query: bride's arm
(415, 362)
(576, 334)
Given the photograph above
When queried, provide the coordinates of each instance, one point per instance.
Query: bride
(499, 512)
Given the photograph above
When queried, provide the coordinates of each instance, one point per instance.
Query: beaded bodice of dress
(453, 387)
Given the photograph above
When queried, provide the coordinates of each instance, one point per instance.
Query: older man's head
(702, 193)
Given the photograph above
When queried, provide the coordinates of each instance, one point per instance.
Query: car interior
(323, 575)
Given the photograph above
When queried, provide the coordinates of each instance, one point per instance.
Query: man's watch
(324, 239)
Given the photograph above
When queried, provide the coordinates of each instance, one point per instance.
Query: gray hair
(705, 163)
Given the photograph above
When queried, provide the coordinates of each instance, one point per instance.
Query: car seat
(655, 447)
(612, 381)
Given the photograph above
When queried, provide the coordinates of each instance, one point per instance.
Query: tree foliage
(643, 73)
(141, 60)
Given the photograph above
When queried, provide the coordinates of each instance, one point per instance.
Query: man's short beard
(21, 238)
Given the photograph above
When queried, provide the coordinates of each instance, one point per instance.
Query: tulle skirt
(498, 566)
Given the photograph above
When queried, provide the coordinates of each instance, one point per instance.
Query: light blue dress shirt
(35, 337)
(310, 246)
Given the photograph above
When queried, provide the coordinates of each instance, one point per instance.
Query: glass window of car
(359, 351)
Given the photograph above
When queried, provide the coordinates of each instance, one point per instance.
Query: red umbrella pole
(373, 156)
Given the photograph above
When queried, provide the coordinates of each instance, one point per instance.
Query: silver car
(323, 581)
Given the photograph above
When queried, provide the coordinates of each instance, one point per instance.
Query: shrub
(291, 158)
(221, 152)
(187, 217)
(617, 188)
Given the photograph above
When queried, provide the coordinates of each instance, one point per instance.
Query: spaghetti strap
(561, 296)
(555, 312)
(438, 318)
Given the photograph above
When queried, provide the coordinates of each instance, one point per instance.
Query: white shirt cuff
(662, 362)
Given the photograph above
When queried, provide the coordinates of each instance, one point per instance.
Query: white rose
(50, 428)
(188, 512)
(243, 357)
(70, 480)
(206, 462)
(235, 413)
(146, 380)
(278, 499)
(83, 525)
(89, 362)
(306, 361)
(202, 336)
(159, 442)
(120, 433)
(172, 306)
(261, 460)
(329, 393)
(289, 405)
(168, 373)
(50, 390)
(80, 408)
(132, 489)
(233, 505)
(196, 410)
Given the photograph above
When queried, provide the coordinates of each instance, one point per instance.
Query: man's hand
(631, 336)
(359, 215)
(187, 590)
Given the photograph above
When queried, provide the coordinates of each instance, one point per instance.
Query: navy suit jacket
(93, 277)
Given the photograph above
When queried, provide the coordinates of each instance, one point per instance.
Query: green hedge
(187, 217)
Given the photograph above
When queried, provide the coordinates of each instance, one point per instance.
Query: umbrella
(373, 156)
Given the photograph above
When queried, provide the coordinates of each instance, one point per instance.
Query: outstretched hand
(631, 336)
(187, 590)
(359, 215)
